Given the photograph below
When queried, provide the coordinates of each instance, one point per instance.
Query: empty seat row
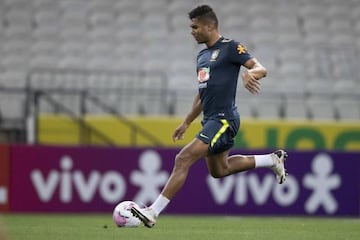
(295, 40)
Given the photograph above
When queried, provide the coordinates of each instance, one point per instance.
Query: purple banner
(95, 179)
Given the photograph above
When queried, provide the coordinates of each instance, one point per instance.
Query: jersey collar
(217, 42)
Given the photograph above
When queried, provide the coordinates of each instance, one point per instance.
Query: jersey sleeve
(238, 53)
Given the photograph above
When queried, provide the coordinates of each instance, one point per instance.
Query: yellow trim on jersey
(220, 132)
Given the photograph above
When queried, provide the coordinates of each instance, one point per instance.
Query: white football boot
(146, 215)
(279, 157)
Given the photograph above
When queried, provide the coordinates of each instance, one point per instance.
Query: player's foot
(146, 215)
(279, 157)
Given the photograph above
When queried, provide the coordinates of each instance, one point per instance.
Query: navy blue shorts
(219, 134)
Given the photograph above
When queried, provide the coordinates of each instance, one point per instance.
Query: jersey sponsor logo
(241, 49)
(203, 74)
(214, 55)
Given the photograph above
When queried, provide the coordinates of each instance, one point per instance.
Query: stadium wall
(253, 134)
(58, 179)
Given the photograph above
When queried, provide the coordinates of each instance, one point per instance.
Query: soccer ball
(123, 217)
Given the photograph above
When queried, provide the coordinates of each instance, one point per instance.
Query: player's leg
(222, 133)
(220, 165)
(191, 153)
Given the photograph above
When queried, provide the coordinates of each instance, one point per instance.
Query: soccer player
(218, 67)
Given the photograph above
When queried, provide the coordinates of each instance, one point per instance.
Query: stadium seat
(295, 108)
(44, 47)
(181, 74)
(12, 105)
(347, 108)
(267, 56)
(179, 22)
(291, 68)
(337, 10)
(154, 7)
(182, 102)
(70, 61)
(268, 107)
(320, 88)
(13, 79)
(49, 60)
(320, 108)
(46, 16)
(181, 7)
(246, 104)
(345, 87)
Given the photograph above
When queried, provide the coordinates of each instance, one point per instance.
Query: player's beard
(199, 39)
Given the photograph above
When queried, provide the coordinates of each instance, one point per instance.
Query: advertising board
(95, 179)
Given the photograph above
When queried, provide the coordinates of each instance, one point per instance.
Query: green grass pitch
(172, 227)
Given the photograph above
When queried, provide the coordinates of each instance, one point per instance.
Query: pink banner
(95, 179)
(4, 178)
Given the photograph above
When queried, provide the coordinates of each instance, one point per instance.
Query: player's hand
(179, 132)
(250, 82)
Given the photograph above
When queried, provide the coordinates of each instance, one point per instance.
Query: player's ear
(210, 26)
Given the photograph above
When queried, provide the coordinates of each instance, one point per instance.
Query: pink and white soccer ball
(122, 215)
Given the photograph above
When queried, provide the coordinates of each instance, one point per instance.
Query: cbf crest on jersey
(214, 55)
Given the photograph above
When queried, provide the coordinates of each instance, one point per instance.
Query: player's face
(199, 30)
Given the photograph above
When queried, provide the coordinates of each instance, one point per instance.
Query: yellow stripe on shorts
(221, 131)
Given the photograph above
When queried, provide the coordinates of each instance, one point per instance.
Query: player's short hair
(204, 12)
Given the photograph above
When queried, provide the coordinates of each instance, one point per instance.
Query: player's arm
(251, 76)
(190, 117)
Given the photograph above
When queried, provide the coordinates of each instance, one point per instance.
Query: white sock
(160, 204)
(265, 160)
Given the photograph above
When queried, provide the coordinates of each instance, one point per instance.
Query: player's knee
(182, 161)
(215, 173)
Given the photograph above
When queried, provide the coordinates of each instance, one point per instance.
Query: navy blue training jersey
(218, 70)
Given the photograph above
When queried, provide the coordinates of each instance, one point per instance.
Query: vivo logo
(246, 186)
(321, 181)
(110, 185)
